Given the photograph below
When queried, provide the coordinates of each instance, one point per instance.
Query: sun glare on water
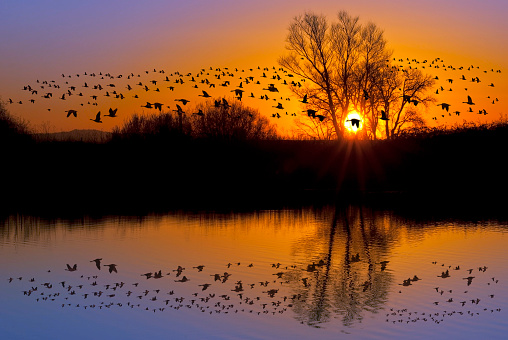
(353, 122)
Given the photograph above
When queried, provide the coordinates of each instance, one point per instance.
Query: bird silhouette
(158, 106)
(354, 122)
(112, 113)
(205, 94)
(383, 115)
(469, 101)
(184, 101)
(444, 106)
(72, 112)
(97, 118)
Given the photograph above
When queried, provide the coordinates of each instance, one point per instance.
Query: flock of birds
(450, 76)
(223, 291)
(158, 90)
(213, 292)
(463, 292)
(147, 89)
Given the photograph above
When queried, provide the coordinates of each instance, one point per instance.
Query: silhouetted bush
(163, 125)
(12, 127)
(222, 120)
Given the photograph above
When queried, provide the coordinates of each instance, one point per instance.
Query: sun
(353, 122)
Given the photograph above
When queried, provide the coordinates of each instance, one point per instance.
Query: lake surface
(328, 272)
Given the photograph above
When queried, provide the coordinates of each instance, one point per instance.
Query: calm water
(302, 273)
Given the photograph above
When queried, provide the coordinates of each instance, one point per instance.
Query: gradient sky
(43, 39)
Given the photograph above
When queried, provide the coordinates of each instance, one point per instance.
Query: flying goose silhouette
(112, 113)
(97, 118)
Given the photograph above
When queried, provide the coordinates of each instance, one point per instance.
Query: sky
(41, 40)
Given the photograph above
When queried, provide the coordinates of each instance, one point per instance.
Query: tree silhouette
(400, 90)
(346, 66)
(338, 62)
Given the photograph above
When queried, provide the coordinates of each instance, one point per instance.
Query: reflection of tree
(340, 285)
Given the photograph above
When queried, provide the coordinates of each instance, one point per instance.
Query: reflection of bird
(97, 263)
(71, 269)
(112, 268)
(469, 279)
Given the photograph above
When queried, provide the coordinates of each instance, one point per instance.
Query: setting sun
(353, 122)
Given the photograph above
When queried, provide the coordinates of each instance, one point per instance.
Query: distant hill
(89, 135)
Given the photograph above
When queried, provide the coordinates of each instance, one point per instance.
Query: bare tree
(338, 62)
(398, 90)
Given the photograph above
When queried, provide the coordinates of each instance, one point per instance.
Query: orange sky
(42, 41)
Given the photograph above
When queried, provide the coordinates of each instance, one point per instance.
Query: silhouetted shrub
(12, 127)
(164, 125)
(222, 120)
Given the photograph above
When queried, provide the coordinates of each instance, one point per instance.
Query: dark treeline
(152, 163)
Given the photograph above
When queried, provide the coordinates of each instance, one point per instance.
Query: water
(293, 273)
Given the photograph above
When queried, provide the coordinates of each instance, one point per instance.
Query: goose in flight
(444, 106)
(304, 100)
(158, 106)
(354, 122)
(383, 115)
(72, 112)
(112, 113)
(311, 113)
(97, 118)
(204, 95)
(469, 101)
(179, 109)
(184, 101)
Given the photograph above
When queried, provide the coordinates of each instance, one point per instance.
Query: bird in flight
(383, 115)
(444, 106)
(354, 122)
(112, 113)
(469, 101)
(72, 112)
(184, 101)
(97, 118)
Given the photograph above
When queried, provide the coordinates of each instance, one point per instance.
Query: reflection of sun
(352, 118)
